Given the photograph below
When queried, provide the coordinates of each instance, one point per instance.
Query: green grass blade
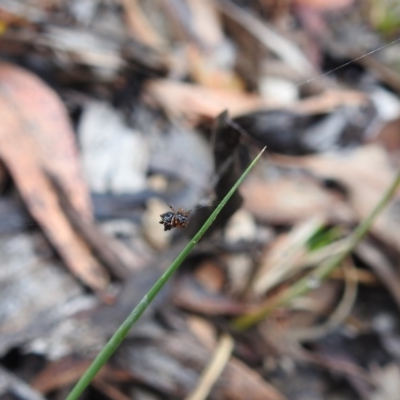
(123, 330)
(304, 285)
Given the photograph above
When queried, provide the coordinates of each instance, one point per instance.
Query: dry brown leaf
(210, 275)
(195, 101)
(66, 371)
(366, 174)
(42, 115)
(59, 374)
(205, 71)
(189, 295)
(36, 142)
(329, 100)
(237, 381)
(325, 5)
(288, 200)
(244, 380)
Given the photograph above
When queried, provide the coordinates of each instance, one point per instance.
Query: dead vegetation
(112, 110)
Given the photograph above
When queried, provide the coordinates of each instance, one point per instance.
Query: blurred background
(111, 111)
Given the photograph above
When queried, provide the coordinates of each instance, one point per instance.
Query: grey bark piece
(34, 290)
(9, 383)
(115, 157)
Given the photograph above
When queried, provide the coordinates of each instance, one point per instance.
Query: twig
(214, 369)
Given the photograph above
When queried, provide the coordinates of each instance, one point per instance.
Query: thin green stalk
(307, 283)
(123, 330)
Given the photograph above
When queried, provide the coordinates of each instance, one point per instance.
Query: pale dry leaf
(284, 256)
(388, 380)
(152, 230)
(240, 271)
(240, 227)
(206, 22)
(211, 373)
(202, 329)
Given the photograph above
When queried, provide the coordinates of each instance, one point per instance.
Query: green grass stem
(123, 330)
(314, 278)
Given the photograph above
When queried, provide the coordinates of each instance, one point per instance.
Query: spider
(175, 219)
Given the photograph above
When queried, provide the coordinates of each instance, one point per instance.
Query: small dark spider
(175, 219)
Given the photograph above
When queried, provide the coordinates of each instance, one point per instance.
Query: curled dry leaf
(37, 146)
